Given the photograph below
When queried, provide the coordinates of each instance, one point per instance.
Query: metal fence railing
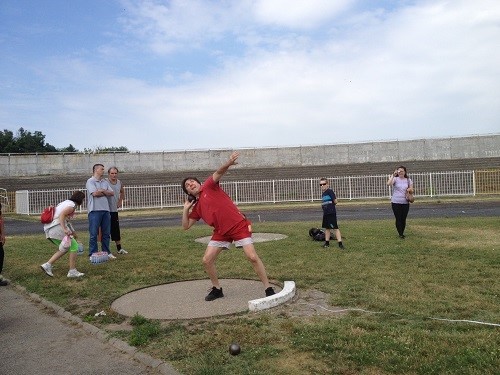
(432, 184)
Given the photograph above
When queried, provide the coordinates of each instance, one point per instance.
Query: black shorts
(115, 227)
(330, 222)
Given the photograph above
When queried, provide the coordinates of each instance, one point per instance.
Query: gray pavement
(37, 337)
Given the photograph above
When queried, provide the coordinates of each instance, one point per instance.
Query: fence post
(311, 189)
(474, 183)
(430, 185)
(350, 187)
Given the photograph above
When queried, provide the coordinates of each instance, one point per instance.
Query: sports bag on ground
(317, 234)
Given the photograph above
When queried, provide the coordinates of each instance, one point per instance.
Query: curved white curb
(286, 294)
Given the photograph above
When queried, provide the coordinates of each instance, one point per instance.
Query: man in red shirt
(209, 202)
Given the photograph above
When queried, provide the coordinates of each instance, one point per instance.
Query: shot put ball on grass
(234, 349)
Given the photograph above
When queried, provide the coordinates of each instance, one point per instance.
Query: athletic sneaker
(4, 282)
(214, 294)
(47, 267)
(111, 256)
(75, 273)
(341, 246)
(122, 251)
(326, 245)
(270, 291)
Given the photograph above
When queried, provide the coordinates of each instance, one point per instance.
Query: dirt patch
(308, 303)
(124, 326)
(83, 306)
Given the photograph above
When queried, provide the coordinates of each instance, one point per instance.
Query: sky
(158, 75)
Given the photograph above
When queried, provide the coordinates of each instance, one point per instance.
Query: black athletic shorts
(330, 221)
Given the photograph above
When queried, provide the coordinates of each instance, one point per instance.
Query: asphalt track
(296, 214)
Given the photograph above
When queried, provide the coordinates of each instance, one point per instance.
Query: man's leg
(106, 230)
(115, 232)
(94, 220)
(338, 236)
(257, 264)
(211, 254)
(327, 225)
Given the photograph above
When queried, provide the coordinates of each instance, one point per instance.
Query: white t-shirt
(59, 209)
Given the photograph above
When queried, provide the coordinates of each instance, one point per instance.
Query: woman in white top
(60, 229)
(401, 184)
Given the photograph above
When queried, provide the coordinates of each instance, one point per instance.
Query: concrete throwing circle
(257, 237)
(186, 299)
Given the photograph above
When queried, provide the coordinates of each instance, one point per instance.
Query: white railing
(458, 183)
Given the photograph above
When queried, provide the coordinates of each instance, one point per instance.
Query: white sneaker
(47, 267)
(122, 251)
(75, 273)
(111, 256)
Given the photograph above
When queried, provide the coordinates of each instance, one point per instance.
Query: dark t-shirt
(327, 199)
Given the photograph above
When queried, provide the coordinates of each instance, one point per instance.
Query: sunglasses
(323, 184)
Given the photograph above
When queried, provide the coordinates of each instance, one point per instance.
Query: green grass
(446, 268)
(144, 330)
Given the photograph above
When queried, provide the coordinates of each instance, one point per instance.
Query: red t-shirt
(216, 208)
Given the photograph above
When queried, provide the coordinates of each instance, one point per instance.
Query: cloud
(176, 25)
(265, 77)
(298, 14)
(179, 25)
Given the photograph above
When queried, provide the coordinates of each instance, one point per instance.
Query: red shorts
(239, 234)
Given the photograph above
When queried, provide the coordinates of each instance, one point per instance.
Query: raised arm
(390, 181)
(224, 167)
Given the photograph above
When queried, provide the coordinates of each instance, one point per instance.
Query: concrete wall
(481, 146)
